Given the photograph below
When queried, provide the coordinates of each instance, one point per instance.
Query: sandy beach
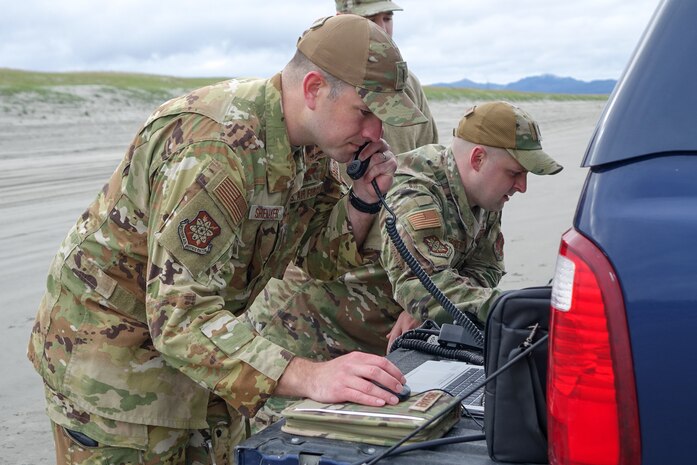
(55, 157)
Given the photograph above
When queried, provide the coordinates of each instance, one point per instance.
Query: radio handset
(356, 168)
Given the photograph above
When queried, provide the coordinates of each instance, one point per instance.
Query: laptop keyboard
(465, 381)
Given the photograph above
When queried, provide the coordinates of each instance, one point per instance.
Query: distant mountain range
(547, 83)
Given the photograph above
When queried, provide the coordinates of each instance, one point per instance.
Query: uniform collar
(283, 159)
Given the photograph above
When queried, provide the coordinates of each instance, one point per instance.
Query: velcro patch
(197, 233)
(437, 247)
(231, 198)
(266, 212)
(198, 244)
(426, 401)
(425, 219)
(306, 193)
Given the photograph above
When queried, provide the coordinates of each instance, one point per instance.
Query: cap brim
(393, 108)
(374, 8)
(536, 161)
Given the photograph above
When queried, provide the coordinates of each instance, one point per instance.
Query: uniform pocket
(88, 281)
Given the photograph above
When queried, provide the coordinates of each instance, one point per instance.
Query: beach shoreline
(55, 157)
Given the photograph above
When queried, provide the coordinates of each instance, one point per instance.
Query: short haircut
(300, 65)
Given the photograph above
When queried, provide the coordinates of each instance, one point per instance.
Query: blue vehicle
(622, 375)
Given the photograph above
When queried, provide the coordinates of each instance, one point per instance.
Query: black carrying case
(515, 414)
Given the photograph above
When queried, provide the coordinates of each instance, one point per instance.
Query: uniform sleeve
(329, 248)
(192, 300)
(420, 224)
(406, 138)
(427, 132)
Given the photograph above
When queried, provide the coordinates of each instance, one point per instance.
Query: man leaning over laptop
(448, 201)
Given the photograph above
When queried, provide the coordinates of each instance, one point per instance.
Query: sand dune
(54, 158)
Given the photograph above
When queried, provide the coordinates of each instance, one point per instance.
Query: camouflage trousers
(166, 446)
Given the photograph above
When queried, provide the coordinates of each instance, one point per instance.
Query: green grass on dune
(54, 87)
(451, 93)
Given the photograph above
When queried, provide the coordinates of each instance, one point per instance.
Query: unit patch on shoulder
(437, 247)
(197, 234)
(425, 219)
(498, 247)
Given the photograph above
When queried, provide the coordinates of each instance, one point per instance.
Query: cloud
(445, 40)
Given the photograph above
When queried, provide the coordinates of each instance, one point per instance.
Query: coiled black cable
(418, 339)
(443, 352)
(459, 317)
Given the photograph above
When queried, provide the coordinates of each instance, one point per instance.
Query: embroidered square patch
(198, 234)
(232, 199)
(425, 219)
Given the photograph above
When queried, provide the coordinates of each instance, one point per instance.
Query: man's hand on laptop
(348, 378)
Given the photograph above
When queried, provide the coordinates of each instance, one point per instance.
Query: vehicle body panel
(639, 206)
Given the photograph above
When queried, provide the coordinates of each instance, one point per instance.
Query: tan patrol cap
(500, 124)
(360, 53)
(366, 7)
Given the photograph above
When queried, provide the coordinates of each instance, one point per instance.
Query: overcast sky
(498, 41)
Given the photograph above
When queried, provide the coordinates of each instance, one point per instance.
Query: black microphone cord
(458, 316)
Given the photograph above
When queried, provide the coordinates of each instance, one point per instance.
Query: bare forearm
(345, 379)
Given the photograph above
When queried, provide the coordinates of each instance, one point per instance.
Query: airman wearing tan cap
(138, 338)
(449, 201)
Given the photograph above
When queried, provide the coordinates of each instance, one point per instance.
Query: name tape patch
(426, 401)
(266, 212)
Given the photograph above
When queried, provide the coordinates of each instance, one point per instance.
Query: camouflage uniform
(301, 299)
(460, 249)
(405, 138)
(301, 313)
(321, 320)
(139, 322)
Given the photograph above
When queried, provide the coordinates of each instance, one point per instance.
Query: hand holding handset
(356, 168)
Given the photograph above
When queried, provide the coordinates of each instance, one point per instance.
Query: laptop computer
(450, 376)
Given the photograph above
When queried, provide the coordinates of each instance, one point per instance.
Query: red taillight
(591, 395)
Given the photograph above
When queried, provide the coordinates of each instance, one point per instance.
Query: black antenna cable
(477, 339)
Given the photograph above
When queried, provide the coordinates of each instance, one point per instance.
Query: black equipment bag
(515, 413)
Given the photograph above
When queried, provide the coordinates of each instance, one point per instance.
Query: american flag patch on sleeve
(424, 219)
(232, 199)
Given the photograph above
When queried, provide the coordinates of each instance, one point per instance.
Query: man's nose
(521, 183)
(372, 128)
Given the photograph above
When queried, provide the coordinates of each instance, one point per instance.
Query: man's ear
(312, 83)
(477, 156)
